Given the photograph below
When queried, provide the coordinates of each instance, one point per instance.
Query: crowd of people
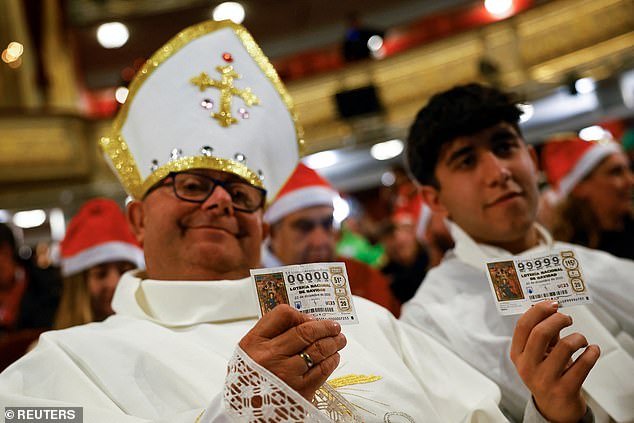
(215, 193)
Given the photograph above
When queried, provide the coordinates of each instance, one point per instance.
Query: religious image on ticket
(520, 281)
(271, 291)
(506, 284)
(319, 289)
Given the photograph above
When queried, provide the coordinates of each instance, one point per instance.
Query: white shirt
(456, 306)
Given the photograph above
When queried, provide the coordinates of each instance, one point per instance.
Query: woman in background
(97, 249)
(592, 185)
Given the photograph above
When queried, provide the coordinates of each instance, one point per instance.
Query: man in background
(593, 186)
(303, 230)
(407, 258)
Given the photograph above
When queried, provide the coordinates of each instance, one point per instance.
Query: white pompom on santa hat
(99, 233)
(305, 188)
(568, 159)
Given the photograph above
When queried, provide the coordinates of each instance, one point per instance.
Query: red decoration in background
(227, 57)
(100, 103)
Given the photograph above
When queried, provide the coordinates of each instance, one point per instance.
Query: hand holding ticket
(319, 289)
(521, 281)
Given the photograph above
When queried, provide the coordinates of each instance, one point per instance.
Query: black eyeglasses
(306, 226)
(197, 188)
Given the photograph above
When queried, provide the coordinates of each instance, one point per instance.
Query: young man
(466, 151)
(184, 344)
(302, 230)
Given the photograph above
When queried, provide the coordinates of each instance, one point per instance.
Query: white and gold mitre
(209, 99)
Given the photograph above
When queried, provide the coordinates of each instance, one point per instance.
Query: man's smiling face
(197, 241)
(487, 182)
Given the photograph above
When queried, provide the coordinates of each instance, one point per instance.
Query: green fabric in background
(357, 247)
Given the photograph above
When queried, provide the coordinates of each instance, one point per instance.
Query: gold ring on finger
(309, 361)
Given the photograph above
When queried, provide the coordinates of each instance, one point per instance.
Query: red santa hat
(99, 233)
(567, 159)
(305, 188)
(411, 209)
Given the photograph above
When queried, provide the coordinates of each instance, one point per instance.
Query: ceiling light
(58, 224)
(341, 209)
(592, 133)
(12, 53)
(8, 58)
(375, 43)
(4, 216)
(230, 10)
(112, 35)
(321, 160)
(585, 85)
(527, 111)
(498, 7)
(121, 94)
(29, 219)
(387, 150)
(15, 49)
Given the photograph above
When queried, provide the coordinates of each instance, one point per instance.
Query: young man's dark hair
(463, 110)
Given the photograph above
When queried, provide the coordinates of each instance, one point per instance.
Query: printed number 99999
(537, 264)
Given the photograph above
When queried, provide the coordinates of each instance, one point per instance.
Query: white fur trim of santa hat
(586, 164)
(300, 199)
(103, 253)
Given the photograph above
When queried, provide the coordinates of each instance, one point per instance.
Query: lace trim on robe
(255, 395)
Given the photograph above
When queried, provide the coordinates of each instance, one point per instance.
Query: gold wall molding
(43, 148)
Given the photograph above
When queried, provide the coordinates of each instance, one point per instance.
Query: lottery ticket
(521, 281)
(319, 289)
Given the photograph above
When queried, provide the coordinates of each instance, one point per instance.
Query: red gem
(227, 57)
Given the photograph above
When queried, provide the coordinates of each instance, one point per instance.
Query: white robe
(163, 357)
(455, 305)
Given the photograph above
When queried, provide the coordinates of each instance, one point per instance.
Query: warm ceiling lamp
(12, 54)
(112, 35)
(321, 160)
(29, 218)
(121, 94)
(592, 133)
(387, 150)
(230, 10)
(528, 110)
(498, 7)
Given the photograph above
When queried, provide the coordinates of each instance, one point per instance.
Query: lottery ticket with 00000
(319, 289)
(520, 281)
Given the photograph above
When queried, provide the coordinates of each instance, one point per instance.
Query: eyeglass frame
(306, 226)
(215, 182)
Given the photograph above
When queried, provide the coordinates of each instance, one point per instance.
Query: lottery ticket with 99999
(319, 289)
(521, 281)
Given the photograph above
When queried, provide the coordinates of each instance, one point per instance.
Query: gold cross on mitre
(227, 91)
